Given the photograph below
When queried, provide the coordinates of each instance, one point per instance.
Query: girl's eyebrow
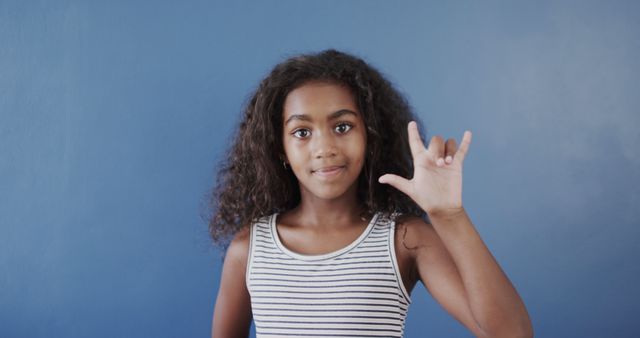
(333, 116)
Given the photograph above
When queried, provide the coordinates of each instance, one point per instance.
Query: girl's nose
(324, 146)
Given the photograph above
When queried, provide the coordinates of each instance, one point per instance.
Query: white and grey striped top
(356, 291)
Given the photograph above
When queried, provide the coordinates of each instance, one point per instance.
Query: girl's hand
(436, 185)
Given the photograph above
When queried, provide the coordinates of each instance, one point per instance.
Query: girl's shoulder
(403, 220)
(413, 233)
(238, 249)
(239, 246)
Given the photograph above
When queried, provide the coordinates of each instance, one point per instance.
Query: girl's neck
(321, 213)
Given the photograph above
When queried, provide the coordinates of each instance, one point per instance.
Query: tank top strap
(261, 242)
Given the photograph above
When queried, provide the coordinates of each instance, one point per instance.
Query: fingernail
(449, 159)
(440, 162)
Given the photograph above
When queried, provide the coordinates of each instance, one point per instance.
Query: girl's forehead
(319, 98)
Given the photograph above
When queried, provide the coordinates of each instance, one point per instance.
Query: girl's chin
(326, 191)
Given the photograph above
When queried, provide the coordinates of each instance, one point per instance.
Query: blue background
(114, 115)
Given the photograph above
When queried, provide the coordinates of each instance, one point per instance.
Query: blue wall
(114, 115)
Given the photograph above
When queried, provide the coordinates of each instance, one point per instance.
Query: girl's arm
(461, 274)
(232, 313)
(456, 266)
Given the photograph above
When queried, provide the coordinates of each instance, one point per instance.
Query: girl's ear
(283, 158)
(285, 163)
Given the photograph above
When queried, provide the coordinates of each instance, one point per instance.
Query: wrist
(446, 214)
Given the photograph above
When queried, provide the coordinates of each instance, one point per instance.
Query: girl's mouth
(328, 172)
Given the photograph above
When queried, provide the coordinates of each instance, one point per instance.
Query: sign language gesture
(436, 185)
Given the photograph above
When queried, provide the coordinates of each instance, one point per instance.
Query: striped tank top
(352, 292)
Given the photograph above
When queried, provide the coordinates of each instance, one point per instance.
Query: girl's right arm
(232, 314)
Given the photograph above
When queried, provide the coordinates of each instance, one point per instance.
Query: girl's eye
(301, 133)
(343, 128)
(340, 128)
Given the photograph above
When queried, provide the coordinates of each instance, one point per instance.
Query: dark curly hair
(252, 181)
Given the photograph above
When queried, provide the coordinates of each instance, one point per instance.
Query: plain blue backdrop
(113, 116)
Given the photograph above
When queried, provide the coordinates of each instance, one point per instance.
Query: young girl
(329, 234)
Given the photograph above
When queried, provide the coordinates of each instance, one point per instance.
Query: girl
(329, 236)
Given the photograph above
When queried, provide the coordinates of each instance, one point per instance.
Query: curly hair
(252, 181)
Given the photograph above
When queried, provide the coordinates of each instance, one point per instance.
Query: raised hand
(436, 185)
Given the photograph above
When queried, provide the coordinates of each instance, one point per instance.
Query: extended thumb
(395, 181)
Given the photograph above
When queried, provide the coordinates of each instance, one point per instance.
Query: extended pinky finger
(464, 146)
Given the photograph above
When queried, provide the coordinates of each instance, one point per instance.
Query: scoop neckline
(323, 256)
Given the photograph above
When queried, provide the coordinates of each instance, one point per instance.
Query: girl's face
(324, 139)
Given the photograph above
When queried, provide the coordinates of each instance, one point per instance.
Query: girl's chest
(309, 242)
(306, 243)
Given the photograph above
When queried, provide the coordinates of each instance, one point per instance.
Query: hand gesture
(436, 185)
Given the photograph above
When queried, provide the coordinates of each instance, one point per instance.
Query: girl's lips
(328, 172)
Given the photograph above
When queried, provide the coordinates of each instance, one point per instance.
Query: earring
(284, 164)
